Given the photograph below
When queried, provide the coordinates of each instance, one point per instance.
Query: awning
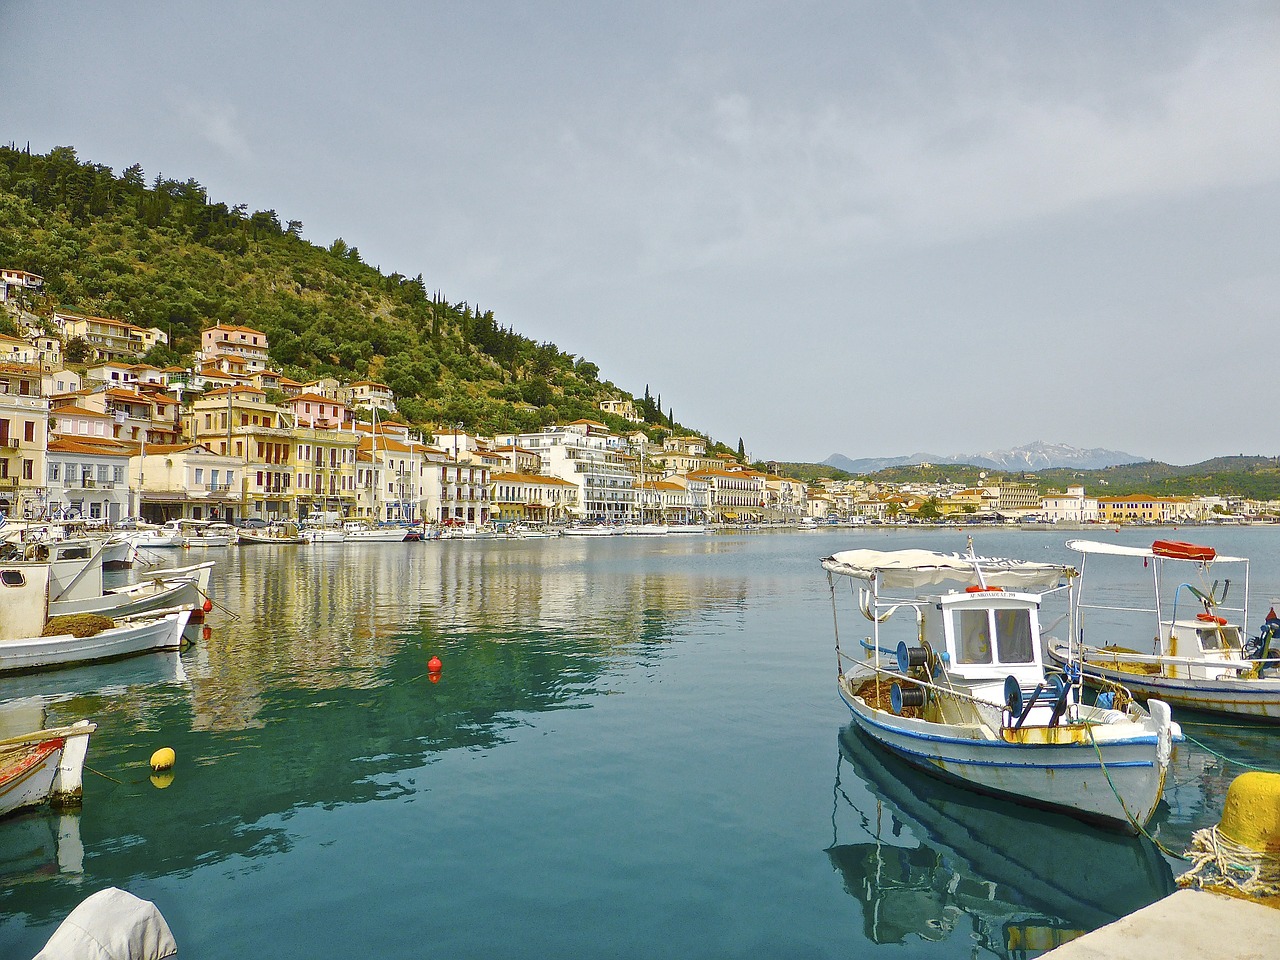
(913, 569)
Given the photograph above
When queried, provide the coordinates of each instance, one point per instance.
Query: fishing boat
(30, 640)
(199, 533)
(645, 530)
(1184, 645)
(166, 589)
(357, 531)
(589, 530)
(322, 529)
(964, 693)
(275, 534)
(687, 528)
(44, 766)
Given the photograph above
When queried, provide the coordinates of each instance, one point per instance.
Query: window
(231, 477)
(117, 474)
(973, 636)
(28, 431)
(199, 475)
(28, 469)
(103, 473)
(1013, 636)
(53, 470)
(213, 477)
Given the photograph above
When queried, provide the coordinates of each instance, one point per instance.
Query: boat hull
(44, 770)
(1256, 699)
(376, 536)
(39, 653)
(1113, 783)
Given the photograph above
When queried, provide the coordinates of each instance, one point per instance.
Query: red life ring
(1210, 618)
(977, 589)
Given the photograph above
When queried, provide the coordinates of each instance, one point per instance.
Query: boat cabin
(1213, 642)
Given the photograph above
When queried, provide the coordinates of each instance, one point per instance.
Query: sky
(863, 228)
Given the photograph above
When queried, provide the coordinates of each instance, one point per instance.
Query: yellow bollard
(1251, 812)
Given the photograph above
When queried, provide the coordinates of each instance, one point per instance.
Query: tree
(742, 451)
(77, 350)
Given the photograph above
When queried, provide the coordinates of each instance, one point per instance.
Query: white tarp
(112, 924)
(1120, 550)
(913, 569)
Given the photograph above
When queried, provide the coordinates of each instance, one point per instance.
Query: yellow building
(238, 422)
(109, 339)
(1135, 509)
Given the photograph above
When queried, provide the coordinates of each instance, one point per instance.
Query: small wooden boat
(964, 694)
(1196, 657)
(44, 766)
(274, 534)
(357, 531)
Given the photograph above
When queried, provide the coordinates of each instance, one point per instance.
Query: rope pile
(1218, 861)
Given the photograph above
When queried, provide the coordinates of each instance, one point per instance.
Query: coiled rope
(1218, 861)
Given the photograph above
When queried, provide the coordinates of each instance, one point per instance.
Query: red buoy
(207, 605)
(434, 665)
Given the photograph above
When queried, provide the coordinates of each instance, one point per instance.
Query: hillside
(165, 255)
(1257, 478)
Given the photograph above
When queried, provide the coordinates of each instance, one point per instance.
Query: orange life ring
(977, 589)
(1210, 618)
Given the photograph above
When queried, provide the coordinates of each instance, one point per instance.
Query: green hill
(1256, 478)
(164, 255)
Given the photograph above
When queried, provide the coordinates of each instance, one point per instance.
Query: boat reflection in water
(930, 856)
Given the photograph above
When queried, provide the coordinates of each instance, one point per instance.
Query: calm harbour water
(636, 749)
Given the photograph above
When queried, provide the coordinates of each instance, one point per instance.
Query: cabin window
(1013, 636)
(12, 578)
(1222, 638)
(973, 636)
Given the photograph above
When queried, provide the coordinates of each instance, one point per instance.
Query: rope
(1123, 806)
(1219, 861)
(1223, 756)
(105, 776)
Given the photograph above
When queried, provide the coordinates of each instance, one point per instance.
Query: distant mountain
(1029, 458)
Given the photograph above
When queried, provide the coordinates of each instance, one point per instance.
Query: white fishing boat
(164, 589)
(964, 694)
(687, 528)
(200, 533)
(43, 766)
(645, 530)
(153, 538)
(589, 530)
(466, 531)
(321, 529)
(1177, 646)
(29, 640)
(356, 531)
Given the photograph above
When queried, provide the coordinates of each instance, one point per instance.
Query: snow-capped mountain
(1029, 457)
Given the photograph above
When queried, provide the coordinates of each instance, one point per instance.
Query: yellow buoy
(1251, 812)
(163, 758)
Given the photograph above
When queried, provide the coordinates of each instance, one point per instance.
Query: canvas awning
(913, 569)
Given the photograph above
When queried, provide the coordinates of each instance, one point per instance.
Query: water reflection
(927, 860)
(316, 693)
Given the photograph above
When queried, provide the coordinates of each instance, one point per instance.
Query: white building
(88, 478)
(1070, 507)
(588, 455)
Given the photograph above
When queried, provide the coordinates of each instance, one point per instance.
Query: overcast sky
(839, 227)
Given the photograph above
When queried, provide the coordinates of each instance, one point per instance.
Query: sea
(633, 747)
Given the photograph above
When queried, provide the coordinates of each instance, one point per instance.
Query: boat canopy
(1147, 553)
(913, 569)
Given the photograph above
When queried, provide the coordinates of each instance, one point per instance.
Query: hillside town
(229, 438)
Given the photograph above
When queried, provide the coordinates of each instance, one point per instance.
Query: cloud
(215, 123)
(972, 148)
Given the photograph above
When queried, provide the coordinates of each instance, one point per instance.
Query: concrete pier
(1187, 925)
